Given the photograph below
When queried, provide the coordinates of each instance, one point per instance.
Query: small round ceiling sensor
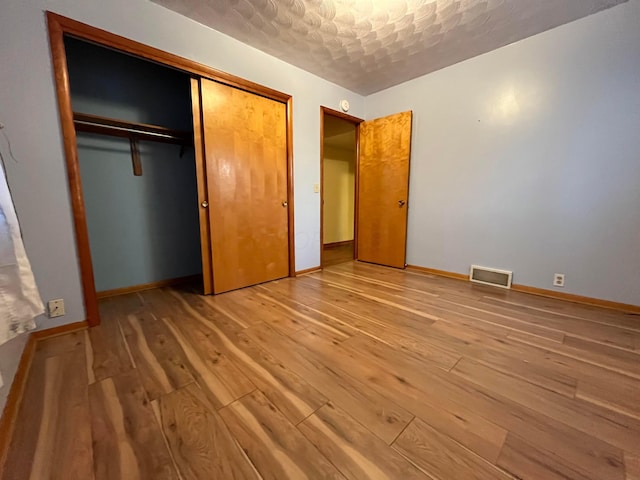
(344, 105)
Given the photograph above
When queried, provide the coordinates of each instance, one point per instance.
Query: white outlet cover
(56, 308)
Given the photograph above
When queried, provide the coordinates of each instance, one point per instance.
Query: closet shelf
(134, 131)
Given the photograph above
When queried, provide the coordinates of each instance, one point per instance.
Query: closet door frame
(60, 26)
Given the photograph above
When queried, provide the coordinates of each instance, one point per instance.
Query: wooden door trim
(356, 122)
(58, 26)
(356, 194)
(63, 93)
(291, 212)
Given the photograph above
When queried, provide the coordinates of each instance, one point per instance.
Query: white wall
(528, 158)
(339, 184)
(29, 111)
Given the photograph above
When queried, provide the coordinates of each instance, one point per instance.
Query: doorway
(338, 187)
(363, 213)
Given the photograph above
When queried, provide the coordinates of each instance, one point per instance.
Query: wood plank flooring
(357, 372)
(336, 254)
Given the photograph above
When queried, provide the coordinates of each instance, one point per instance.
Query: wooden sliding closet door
(383, 189)
(245, 148)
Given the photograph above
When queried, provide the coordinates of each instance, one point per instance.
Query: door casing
(58, 27)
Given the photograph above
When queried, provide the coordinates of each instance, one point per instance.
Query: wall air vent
(490, 276)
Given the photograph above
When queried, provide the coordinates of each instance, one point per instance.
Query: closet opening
(339, 162)
(134, 135)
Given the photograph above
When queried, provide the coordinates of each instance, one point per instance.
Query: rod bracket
(135, 157)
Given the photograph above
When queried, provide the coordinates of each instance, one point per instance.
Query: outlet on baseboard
(558, 279)
(56, 308)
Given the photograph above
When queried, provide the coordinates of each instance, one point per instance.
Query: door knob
(285, 203)
(401, 203)
(205, 204)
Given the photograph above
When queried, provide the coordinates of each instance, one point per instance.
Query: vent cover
(490, 276)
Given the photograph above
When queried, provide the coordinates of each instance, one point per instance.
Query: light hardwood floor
(337, 254)
(358, 372)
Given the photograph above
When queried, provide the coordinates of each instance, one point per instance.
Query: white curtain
(20, 301)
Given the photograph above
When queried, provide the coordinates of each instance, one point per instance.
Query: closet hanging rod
(119, 128)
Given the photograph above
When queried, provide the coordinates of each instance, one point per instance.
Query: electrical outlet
(558, 279)
(56, 308)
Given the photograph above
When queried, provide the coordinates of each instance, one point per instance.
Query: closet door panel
(203, 194)
(246, 162)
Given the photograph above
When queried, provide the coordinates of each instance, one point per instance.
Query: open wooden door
(383, 189)
(244, 181)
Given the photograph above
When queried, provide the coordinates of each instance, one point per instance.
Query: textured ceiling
(369, 45)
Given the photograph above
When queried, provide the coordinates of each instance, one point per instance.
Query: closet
(134, 135)
(182, 177)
